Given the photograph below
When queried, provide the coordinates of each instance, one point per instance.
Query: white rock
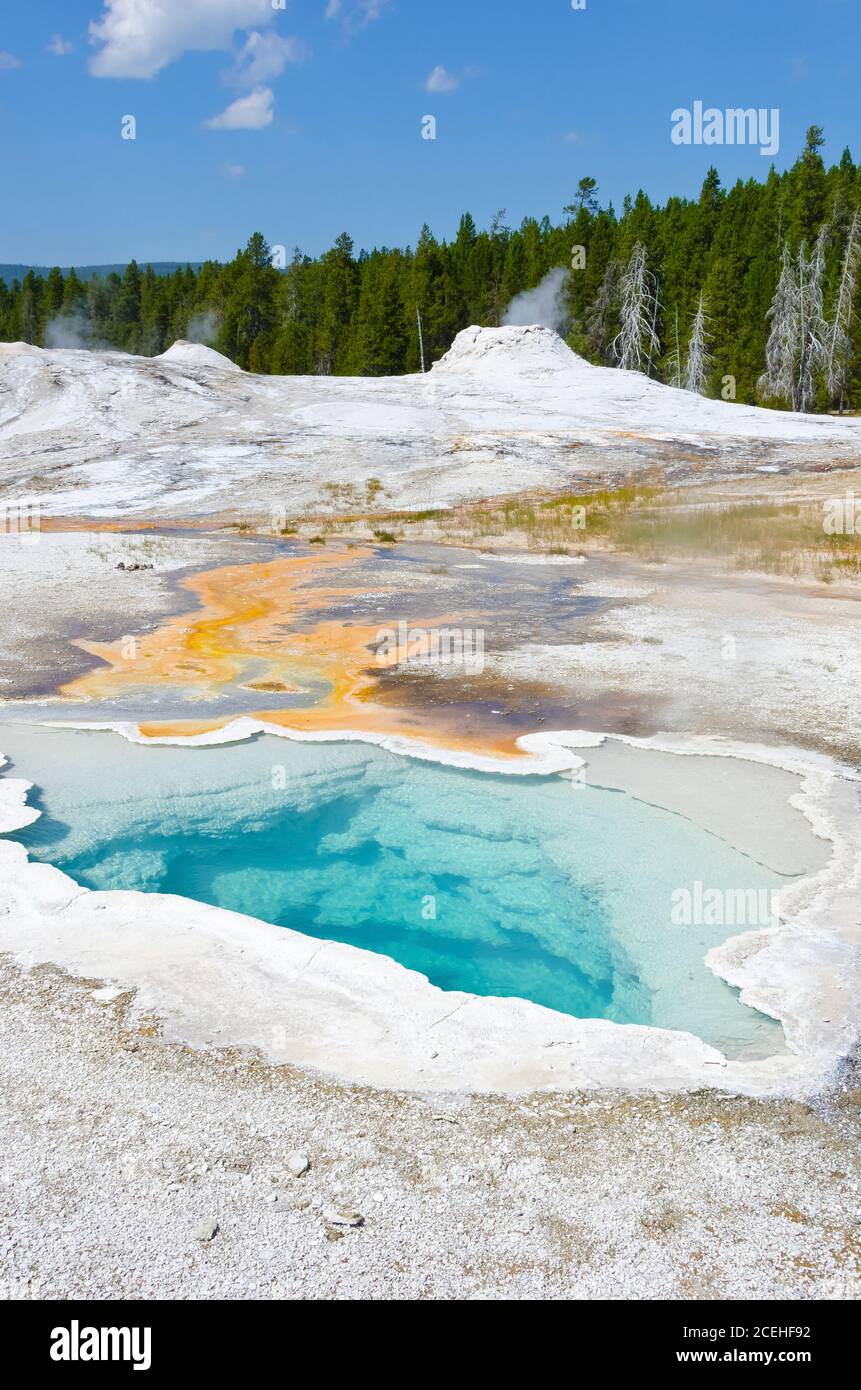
(334, 1217)
(108, 994)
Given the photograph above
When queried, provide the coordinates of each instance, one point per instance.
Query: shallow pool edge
(215, 978)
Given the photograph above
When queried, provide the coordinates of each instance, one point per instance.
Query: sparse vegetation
(658, 524)
(552, 524)
(642, 516)
(787, 538)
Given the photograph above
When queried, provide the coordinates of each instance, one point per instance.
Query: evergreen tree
(29, 311)
(340, 297)
(809, 188)
(585, 199)
(52, 296)
(743, 251)
(674, 364)
(127, 310)
(74, 292)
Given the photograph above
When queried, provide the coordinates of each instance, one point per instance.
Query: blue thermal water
(490, 884)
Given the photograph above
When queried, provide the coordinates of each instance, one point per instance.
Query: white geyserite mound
(189, 433)
(515, 351)
(609, 398)
(183, 353)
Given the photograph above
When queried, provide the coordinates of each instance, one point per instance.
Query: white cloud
(251, 112)
(572, 137)
(265, 56)
(355, 15)
(441, 80)
(233, 171)
(59, 46)
(140, 37)
(8, 61)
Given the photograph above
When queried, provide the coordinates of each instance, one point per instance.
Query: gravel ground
(120, 1154)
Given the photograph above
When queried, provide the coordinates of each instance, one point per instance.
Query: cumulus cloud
(59, 46)
(355, 15)
(8, 61)
(251, 112)
(441, 80)
(140, 37)
(265, 56)
(233, 171)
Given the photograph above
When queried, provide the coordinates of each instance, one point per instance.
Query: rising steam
(203, 327)
(545, 304)
(72, 330)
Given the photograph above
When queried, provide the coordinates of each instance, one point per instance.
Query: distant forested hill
(750, 292)
(10, 273)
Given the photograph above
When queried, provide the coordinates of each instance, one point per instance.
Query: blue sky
(527, 97)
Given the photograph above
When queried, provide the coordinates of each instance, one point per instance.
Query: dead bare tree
(699, 360)
(598, 316)
(421, 337)
(636, 345)
(839, 347)
(795, 352)
(813, 328)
